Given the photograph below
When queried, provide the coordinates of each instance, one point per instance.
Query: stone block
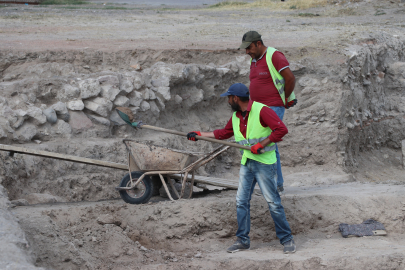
(3, 134)
(75, 105)
(135, 98)
(101, 106)
(164, 92)
(36, 113)
(121, 101)
(126, 85)
(144, 106)
(79, 121)
(89, 88)
(62, 127)
(60, 108)
(51, 116)
(138, 81)
(154, 108)
(26, 132)
(100, 120)
(68, 92)
(109, 91)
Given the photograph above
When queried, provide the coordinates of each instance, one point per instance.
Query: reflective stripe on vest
(255, 133)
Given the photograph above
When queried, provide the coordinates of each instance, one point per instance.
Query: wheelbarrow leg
(173, 188)
(183, 184)
(165, 186)
(192, 184)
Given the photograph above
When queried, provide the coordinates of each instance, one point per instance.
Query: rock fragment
(89, 88)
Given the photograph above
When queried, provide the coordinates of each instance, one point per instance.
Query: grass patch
(307, 15)
(63, 2)
(112, 7)
(379, 12)
(347, 11)
(273, 4)
(228, 4)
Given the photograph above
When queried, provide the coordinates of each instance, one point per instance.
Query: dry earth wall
(348, 104)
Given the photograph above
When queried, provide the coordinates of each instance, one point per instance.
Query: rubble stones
(61, 110)
(26, 132)
(37, 114)
(135, 98)
(121, 101)
(75, 105)
(62, 127)
(89, 88)
(403, 153)
(51, 116)
(100, 120)
(68, 92)
(101, 106)
(3, 134)
(144, 106)
(126, 84)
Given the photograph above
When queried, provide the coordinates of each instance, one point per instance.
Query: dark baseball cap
(237, 89)
(248, 38)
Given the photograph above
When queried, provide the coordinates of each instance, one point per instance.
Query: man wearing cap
(271, 81)
(255, 125)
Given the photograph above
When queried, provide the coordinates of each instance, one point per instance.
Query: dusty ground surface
(336, 170)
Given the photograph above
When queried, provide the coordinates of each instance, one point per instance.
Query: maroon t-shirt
(268, 118)
(262, 88)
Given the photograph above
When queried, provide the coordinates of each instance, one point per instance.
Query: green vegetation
(228, 4)
(63, 2)
(293, 7)
(307, 15)
(379, 12)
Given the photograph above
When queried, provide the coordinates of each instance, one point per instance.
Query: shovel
(127, 115)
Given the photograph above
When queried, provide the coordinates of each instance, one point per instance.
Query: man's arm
(268, 118)
(289, 81)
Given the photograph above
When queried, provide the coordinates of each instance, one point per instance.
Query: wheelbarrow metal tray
(154, 158)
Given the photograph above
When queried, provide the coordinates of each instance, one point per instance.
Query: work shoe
(280, 190)
(238, 246)
(289, 246)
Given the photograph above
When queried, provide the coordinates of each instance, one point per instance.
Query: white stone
(154, 108)
(75, 105)
(27, 132)
(196, 96)
(144, 106)
(89, 88)
(110, 91)
(164, 92)
(121, 101)
(178, 99)
(148, 94)
(37, 114)
(101, 106)
(100, 120)
(68, 92)
(126, 84)
(3, 134)
(60, 108)
(138, 81)
(63, 127)
(135, 98)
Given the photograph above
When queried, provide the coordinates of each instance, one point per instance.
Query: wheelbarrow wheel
(141, 193)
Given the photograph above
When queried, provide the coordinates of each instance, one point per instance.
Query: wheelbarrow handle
(198, 137)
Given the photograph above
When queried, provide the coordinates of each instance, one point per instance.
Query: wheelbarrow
(146, 161)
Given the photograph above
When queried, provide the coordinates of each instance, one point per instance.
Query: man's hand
(255, 149)
(290, 104)
(191, 135)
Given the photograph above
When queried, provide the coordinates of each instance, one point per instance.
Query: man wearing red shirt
(255, 125)
(271, 81)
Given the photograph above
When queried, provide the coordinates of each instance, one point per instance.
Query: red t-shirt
(268, 118)
(262, 88)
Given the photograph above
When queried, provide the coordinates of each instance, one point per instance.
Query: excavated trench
(346, 130)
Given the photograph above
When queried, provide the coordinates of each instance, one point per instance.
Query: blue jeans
(280, 113)
(266, 176)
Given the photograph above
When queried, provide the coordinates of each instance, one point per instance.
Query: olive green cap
(248, 38)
